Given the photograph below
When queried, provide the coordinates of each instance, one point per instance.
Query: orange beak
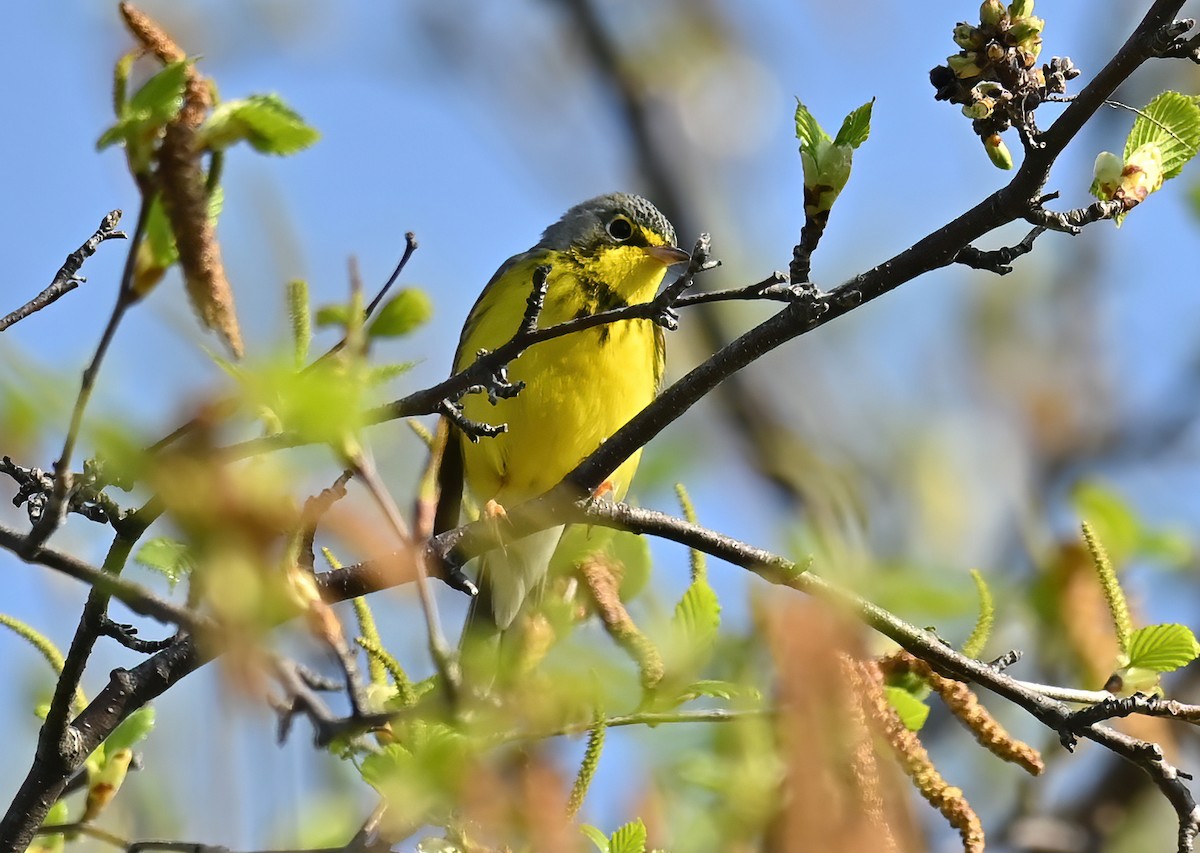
(667, 255)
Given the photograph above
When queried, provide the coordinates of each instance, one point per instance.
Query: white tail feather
(516, 569)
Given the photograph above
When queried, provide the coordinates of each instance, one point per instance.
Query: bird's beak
(667, 255)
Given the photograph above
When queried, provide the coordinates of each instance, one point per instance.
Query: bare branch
(998, 260)
(67, 278)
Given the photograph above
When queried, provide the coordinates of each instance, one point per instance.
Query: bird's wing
(450, 468)
(485, 296)
(449, 478)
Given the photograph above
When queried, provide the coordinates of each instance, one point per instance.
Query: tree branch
(67, 278)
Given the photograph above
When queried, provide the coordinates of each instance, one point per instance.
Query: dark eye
(619, 228)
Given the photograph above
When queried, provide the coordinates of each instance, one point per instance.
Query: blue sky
(438, 118)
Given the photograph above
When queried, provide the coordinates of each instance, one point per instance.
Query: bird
(578, 390)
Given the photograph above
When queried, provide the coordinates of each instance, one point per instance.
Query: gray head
(609, 220)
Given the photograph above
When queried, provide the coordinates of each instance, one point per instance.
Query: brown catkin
(916, 763)
(965, 705)
(185, 193)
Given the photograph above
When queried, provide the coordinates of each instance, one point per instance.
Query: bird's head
(619, 231)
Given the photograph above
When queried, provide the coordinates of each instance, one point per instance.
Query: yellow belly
(579, 390)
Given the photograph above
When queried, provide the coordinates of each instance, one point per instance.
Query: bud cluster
(995, 75)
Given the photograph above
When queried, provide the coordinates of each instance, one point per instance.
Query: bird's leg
(604, 492)
(495, 515)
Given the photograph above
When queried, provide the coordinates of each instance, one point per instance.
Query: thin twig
(57, 505)
(67, 278)
(998, 260)
(443, 657)
(134, 596)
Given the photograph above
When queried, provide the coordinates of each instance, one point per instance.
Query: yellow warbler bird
(607, 252)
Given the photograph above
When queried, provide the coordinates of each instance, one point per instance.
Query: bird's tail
(512, 572)
(509, 575)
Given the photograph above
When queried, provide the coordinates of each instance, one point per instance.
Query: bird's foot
(496, 517)
(602, 494)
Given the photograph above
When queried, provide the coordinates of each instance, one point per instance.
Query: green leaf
(380, 373)
(400, 315)
(1172, 122)
(121, 80)
(911, 710)
(264, 121)
(1111, 517)
(987, 617)
(152, 106)
(856, 127)
(597, 837)
(631, 838)
(808, 131)
(162, 95)
(169, 557)
(157, 251)
(1124, 534)
(323, 404)
(333, 315)
(717, 689)
(53, 843)
(1172, 548)
(133, 730)
(698, 615)
(1162, 648)
(632, 550)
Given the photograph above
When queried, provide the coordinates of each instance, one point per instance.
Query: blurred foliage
(732, 719)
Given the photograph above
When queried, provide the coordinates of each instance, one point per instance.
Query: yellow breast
(579, 389)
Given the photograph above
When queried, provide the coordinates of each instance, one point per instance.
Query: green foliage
(370, 634)
(169, 557)
(323, 404)
(913, 712)
(1164, 137)
(1118, 607)
(856, 127)
(45, 647)
(632, 551)
(1153, 650)
(132, 731)
(153, 105)
(714, 688)
(1164, 648)
(266, 122)
(58, 815)
(589, 765)
(333, 315)
(300, 314)
(698, 617)
(698, 558)
(630, 838)
(401, 315)
(1147, 652)
(1125, 535)
(826, 160)
(421, 778)
(976, 642)
(381, 661)
(1171, 123)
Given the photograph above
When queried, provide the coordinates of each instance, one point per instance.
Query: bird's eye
(619, 228)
